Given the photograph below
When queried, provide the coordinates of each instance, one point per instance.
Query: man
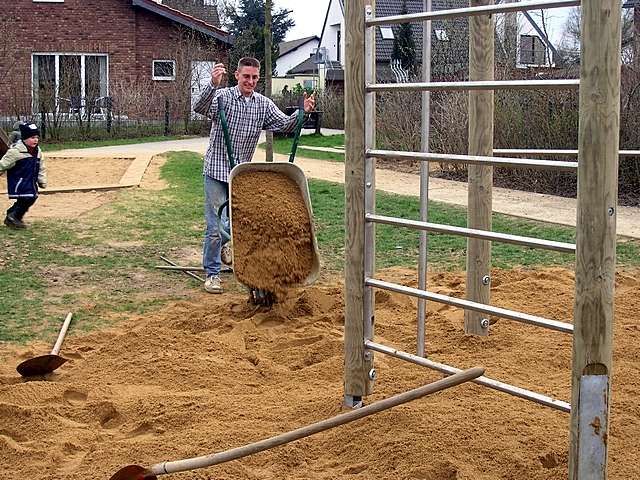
(248, 113)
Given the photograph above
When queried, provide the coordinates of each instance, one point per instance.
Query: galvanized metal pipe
(468, 305)
(572, 153)
(425, 133)
(475, 160)
(474, 233)
(474, 85)
(369, 173)
(484, 381)
(472, 11)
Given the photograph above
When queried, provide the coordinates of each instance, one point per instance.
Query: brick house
(59, 54)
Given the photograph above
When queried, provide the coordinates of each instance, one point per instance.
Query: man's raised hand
(217, 73)
(309, 102)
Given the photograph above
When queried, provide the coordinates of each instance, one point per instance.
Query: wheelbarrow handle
(225, 131)
(297, 130)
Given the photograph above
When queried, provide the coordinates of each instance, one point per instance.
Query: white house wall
(334, 24)
(295, 57)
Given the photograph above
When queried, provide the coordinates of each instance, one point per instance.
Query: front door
(200, 77)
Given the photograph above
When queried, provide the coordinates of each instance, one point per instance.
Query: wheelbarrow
(259, 295)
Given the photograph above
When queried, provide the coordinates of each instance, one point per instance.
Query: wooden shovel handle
(63, 332)
(268, 443)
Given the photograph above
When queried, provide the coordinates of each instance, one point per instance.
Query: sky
(308, 15)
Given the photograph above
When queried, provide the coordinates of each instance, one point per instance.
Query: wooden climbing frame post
(598, 143)
(479, 207)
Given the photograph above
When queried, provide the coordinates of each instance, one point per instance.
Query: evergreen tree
(246, 23)
(404, 46)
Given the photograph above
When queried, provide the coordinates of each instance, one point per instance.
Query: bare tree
(571, 42)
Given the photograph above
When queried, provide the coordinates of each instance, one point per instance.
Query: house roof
(290, 46)
(385, 8)
(202, 9)
(310, 67)
(184, 19)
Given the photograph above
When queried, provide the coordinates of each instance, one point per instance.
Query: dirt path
(535, 206)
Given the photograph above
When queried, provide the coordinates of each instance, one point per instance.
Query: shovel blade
(40, 365)
(133, 472)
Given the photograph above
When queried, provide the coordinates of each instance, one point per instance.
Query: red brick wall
(132, 38)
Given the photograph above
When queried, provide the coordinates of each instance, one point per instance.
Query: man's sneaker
(12, 222)
(213, 284)
(226, 254)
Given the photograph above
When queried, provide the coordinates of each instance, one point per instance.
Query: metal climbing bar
(474, 233)
(472, 11)
(474, 85)
(484, 381)
(474, 160)
(473, 306)
(568, 153)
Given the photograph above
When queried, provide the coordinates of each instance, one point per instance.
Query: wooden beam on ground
(356, 366)
(481, 107)
(598, 142)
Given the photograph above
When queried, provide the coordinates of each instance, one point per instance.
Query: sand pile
(215, 373)
(272, 236)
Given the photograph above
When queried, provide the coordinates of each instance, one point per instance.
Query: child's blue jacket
(25, 172)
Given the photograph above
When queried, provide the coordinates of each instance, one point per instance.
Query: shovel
(46, 363)
(136, 472)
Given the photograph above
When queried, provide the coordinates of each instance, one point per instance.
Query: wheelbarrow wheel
(261, 297)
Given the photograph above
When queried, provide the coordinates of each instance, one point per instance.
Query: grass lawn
(282, 145)
(101, 264)
(52, 147)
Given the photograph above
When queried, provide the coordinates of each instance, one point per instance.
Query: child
(25, 172)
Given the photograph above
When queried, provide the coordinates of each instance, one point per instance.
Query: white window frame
(153, 75)
(57, 56)
(48, 1)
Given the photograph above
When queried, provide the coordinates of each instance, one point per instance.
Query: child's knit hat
(28, 130)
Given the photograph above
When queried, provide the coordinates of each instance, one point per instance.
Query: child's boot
(13, 222)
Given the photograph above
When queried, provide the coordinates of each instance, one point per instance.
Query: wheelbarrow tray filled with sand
(272, 233)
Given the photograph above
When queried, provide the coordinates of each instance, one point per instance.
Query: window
(441, 34)
(164, 70)
(48, 1)
(532, 50)
(68, 82)
(307, 84)
(387, 33)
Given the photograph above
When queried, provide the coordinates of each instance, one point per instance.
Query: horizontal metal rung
(473, 233)
(474, 85)
(473, 306)
(472, 11)
(484, 381)
(474, 160)
(568, 153)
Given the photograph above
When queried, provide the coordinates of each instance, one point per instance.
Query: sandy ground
(215, 373)
(63, 172)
